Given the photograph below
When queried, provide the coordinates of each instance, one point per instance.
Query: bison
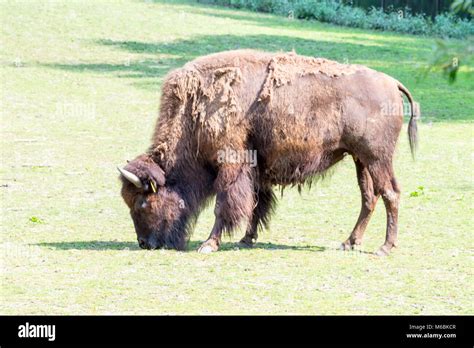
(293, 116)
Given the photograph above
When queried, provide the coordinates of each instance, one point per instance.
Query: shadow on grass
(149, 62)
(175, 54)
(230, 246)
(192, 246)
(91, 245)
(267, 20)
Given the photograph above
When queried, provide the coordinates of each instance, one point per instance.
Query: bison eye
(140, 203)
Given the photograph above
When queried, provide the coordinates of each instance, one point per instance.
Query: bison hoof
(384, 250)
(346, 247)
(247, 242)
(208, 247)
(351, 245)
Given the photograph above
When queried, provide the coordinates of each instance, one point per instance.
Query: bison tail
(413, 135)
(415, 115)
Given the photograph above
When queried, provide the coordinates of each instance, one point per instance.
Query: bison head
(158, 210)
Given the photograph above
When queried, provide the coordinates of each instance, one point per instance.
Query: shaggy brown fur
(300, 114)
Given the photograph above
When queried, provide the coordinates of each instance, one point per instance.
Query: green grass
(80, 92)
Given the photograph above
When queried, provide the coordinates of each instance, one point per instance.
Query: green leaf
(36, 220)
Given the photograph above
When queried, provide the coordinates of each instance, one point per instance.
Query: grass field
(80, 91)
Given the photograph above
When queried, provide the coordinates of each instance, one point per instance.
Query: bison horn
(131, 177)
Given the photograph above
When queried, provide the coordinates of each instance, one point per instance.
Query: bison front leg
(213, 241)
(234, 203)
(265, 199)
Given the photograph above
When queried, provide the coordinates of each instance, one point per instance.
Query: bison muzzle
(296, 116)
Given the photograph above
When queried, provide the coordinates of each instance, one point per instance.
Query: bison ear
(156, 174)
(144, 173)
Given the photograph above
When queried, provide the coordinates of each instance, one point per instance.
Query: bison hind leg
(368, 202)
(386, 185)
